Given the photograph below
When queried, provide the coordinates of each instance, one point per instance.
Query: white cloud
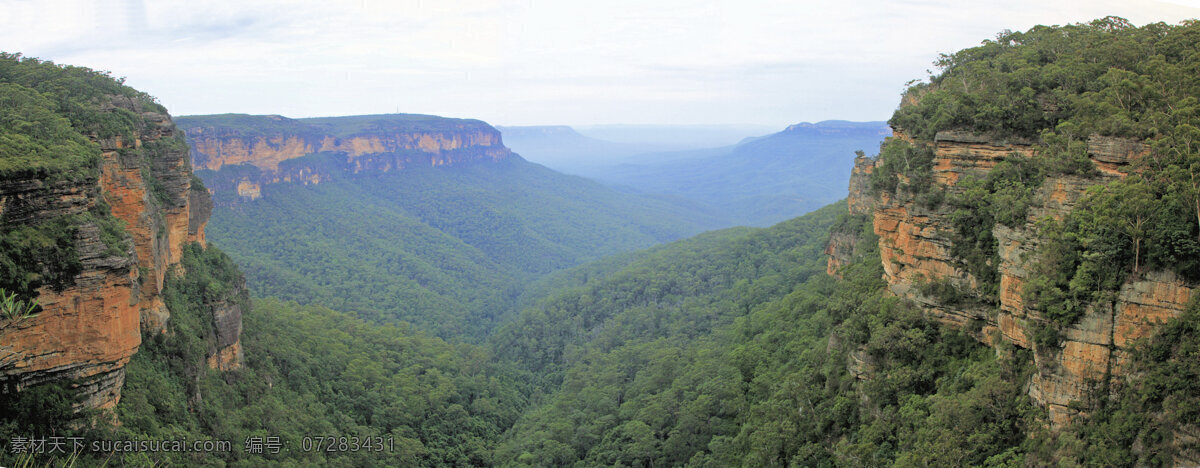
(533, 61)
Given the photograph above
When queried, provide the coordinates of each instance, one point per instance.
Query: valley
(1001, 274)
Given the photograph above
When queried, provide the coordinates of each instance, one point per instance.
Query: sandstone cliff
(90, 326)
(916, 240)
(238, 154)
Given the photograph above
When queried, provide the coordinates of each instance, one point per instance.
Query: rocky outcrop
(843, 243)
(238, 154)
(915, 246)
(88, 329)
(226, 351)
(86, 332)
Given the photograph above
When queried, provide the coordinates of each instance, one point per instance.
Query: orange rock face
(269, 148)
(88, 330)
(227, 358)
(267, 153)
(914, 246)
(842, 245)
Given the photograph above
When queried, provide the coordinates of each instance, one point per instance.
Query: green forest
(503, 315)
(448, 249)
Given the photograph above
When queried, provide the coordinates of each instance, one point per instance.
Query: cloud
(533, 61)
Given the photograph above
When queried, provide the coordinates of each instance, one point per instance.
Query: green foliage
(1047, 336)
(447, 249)
(41, 254)
(732, 349)
(1104, 77)
(79, 94)
(1118, 230)
(903, 159)
(45, 253)
(112, 230)
(311, 371)
(42, 409)
(854, 224)
(942, 290)
(36, 140)
(13, 309)
(1003, 197)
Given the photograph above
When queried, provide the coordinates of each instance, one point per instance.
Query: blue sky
(525, 62)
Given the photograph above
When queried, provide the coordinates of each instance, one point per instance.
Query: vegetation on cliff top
(49, 109)
(1106, 77)
(316, 128)
(1058, 87)
(51, 120)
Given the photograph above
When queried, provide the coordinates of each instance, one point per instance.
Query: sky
(533, 62)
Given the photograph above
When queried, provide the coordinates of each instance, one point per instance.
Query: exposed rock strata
(87, 331)
(241, 154)
(915, 242)
(843, 245)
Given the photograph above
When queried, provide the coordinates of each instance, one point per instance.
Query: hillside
(443, 234)
(97, 203)
(130, 338)
(759, 181)
(1011, 291)
(1009, 283)
(735, 348)
(1064, 223)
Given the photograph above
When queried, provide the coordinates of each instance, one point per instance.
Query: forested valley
(496, 313)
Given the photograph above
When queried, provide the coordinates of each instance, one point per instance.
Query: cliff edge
(238, 154)
(92, 227)
(1057, 215)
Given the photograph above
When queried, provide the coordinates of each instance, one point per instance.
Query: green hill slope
(445, 248)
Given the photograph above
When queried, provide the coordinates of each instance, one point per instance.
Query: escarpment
(238, 154)
(120, 223)
(917, 240)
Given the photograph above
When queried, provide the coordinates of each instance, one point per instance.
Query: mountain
(674, 137)
(1011, 291)
(245, 151)
(1063, 231)
(561, 148)
(127, 338)
(99, 206)
(401, 217)
(1010, 283)
(759, 181)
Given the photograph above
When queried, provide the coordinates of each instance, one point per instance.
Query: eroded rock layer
(88, 328)
(915, 246)
(238, 154)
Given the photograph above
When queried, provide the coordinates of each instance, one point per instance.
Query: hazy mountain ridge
(1015, 290)
(761, 180)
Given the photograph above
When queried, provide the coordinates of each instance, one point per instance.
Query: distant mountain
(761, 180)
(237, 153)
(593, 149)
(415, 218)
(675, 137)
(563, 149)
